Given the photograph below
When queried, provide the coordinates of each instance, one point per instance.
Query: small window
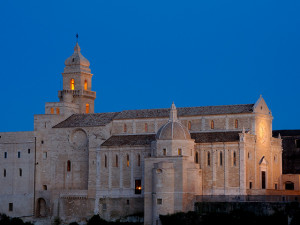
(138, 187)
(87, 108)
(196, 157)
(234, 158)
(42, 142)
(52, 110)
(139, 160)
(85, 85)
(159, 201)
(263, 179)
(236, 124)
(19, 154)
(10, 207)
(20, 172)
(250, 185)
(127, 160)
(276, 187)
(4, 172)
(146, 127)
(297, 143)
(189, 125)
(44, 155)
(212, 125)
(29, 151)
(45, 187)
(179, 151)
(104, 207)
(5, 155)
(105, 161)
(125, 128)
(57, 111)
(248, 155)
(68, 166)
(208, 158)
(117, 161)
(221, 159)
(164, 151)
(127, 201)
(72, 84)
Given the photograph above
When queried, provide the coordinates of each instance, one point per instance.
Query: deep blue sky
(146, 54)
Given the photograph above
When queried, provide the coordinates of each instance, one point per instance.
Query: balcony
(77, 93)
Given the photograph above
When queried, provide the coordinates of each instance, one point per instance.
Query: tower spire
(76, 37)
(173, 113)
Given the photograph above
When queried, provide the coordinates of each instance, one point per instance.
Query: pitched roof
(129, 140)
(87, 120)
(186, 111)
(146, 139)
(208, 137)
(101, 119)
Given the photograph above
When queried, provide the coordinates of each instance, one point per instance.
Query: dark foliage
(96, 220)
(73, 223)
(233, 218)
(5, 220)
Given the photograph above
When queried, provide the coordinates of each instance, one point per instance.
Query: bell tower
(77, 83)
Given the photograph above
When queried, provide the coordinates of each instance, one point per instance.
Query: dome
(173, 129)
(77, 58)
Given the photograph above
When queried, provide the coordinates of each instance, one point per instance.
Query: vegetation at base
(236, 217)
(97, 220)
(5, 220)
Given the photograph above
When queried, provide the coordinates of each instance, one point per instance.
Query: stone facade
(77, 163)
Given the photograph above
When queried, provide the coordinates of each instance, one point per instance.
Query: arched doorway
(41, 208)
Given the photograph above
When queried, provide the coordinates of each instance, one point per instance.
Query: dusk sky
(146, 54)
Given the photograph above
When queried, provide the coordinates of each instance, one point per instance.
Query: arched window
(20, 172)
(208, 158)
(125, 128)
(221, 158)
(117, 161)
(105, 161)
(236, 124)
(189, 125)
(87, 108)
(127, 162)
(139, 160)
(196, 157)
(146, 127)
(52, 111)
(179, 151)
(85, 85)
(234, 158)
(212, 125)
(57, 111)
(72, 84)
(68, 166)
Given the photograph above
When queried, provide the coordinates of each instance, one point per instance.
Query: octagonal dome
(173, 129)
(77, 58)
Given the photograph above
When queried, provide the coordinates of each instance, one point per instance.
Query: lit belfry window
(72, 84)
(125, 128)
(146, 127)
(189, 125)
(212, 125)
(57, 111)
(87, 108)
(85, 85)
(52, 111)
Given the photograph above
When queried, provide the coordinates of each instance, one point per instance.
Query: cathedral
(77, 163)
